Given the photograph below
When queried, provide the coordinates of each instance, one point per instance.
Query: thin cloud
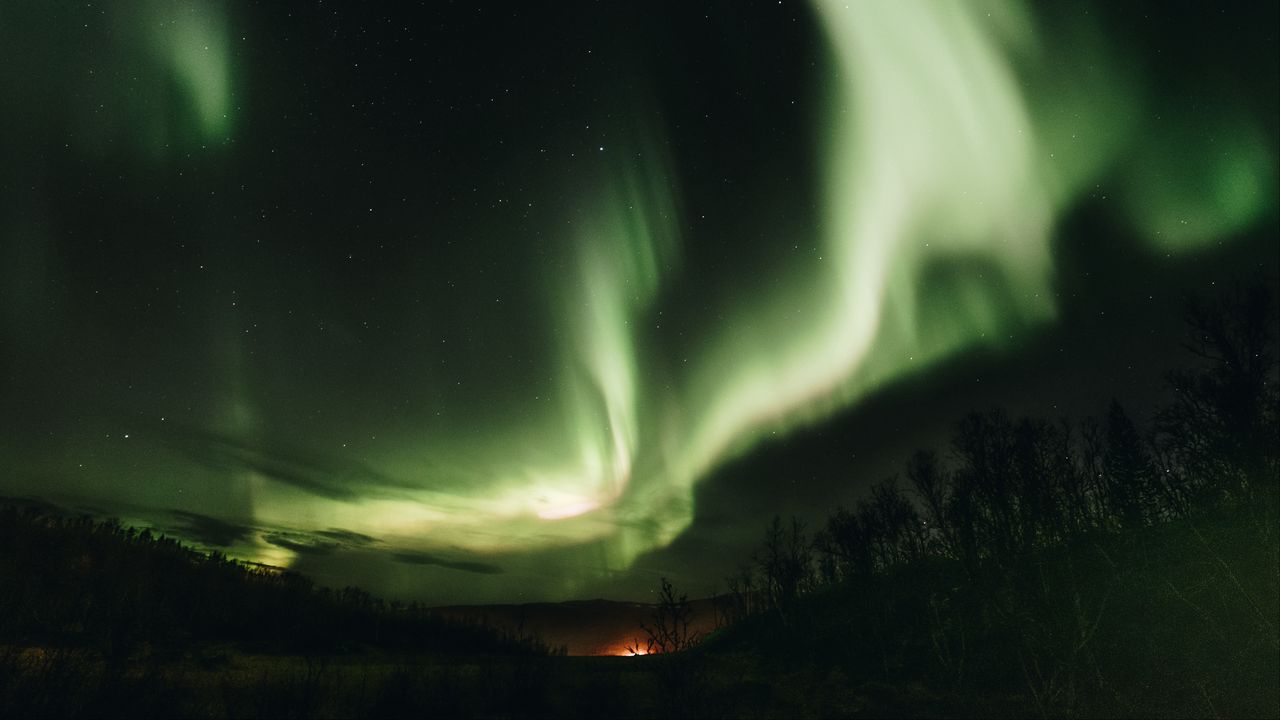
(347, 537)
(300, 543)
(210, 530)
(316, 473)
(413, 557)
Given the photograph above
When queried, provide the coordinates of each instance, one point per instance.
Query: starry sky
(492, 302)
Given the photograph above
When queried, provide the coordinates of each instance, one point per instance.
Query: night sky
(471, 302)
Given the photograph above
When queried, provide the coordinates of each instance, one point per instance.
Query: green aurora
(950, 138)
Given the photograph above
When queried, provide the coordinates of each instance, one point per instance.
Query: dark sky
(476, 303)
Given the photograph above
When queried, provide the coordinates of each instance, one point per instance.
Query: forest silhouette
(1096, 567)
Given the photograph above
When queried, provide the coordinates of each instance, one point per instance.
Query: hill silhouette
(83, 582)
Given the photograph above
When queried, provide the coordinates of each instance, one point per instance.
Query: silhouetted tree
(669, 636)
(743, 593)
(786, 563)
(668, 630)
(1072, 484)
(1127, 469)
(931, 485)
(847, 541)
(1222, 424)
(900, 533)
(983, 445)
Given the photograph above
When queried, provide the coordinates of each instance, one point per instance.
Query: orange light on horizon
(633, 649)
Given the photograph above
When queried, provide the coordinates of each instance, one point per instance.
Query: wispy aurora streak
(942, 182)
(622, 253)
(190, 37)
(932, 160)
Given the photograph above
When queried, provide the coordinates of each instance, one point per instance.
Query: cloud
(320, 542)
(301, 543)
(35, 504)
(347, 537)
(414, 557)
(210, 530)
(315, 473)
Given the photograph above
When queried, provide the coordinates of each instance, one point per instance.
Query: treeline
(79, 581)
(1102, 566)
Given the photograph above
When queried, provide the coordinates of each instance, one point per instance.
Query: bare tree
(1127, 469)
(1223, 424)
(669, 630)
(786, 563)
(669, 636)
(926, 476)
(848, 543)
(901, 530)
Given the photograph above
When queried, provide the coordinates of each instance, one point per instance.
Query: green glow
(932, 159)
(955, 135)
(1197, 186)
(190, 37)
(623, 250)
(942, 181)
(937, 224)
(557, 477)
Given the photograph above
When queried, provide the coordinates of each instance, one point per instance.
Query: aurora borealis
(474, 303)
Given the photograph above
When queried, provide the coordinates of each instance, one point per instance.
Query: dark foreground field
(68, 683)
